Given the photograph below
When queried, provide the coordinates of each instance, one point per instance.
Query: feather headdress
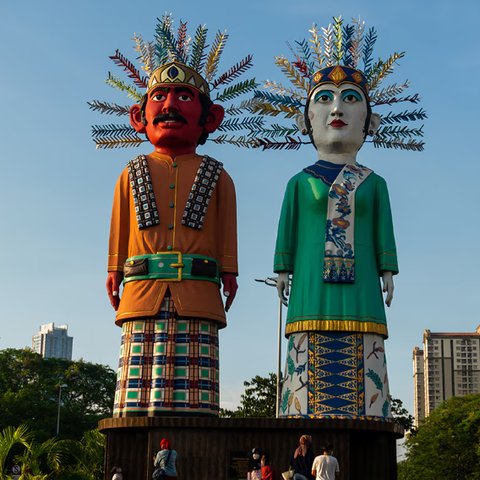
(343, 53)
(174, 57)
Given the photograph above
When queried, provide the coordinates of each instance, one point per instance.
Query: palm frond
(182, 42)
(348, 31)
(369, 43)
(387, 92)
(232, 140)
(357, 42)
(108, 108)
(118, 142)
(276, 99)
(328, 52)
(291, 73)
(338, 42)
(131, 91)
(316, 46)
(198, 54)
(236, 90)
(413, 145)
(398, 132)
(276, 87)
(406, 116)
(213, 57)
(273, 111)
(385, 69)
(112, 130)
(146, 54)
(237, 124)
(290, 143)
(162, 51)
(234, 72)
(276, 131)
(390, 101)
(132, 72)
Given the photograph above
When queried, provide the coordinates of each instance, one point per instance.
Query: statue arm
(118, 241)
(286, 241)
(227, 237)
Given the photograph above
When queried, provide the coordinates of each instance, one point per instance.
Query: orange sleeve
(119, 225)
(227, 220)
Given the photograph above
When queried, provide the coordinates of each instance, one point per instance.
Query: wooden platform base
(216, 448)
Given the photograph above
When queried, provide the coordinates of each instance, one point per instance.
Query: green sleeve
(287, 230)
(385, 249)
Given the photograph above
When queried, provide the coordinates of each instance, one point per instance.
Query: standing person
(325, 466)
(117, 473)
(165, 462)
(254, 464)
(173, 234)
(335, 233)
(267, 470)
(302, 459)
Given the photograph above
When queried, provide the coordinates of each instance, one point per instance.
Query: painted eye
(158, 97)
(324, 96)
(351, 96)
(185, 97)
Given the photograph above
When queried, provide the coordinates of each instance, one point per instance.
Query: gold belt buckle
(178, 265)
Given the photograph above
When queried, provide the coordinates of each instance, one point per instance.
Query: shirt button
(170, 227)
(169, 247)
(171, 205)
(172, 186)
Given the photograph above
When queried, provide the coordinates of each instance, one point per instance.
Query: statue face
(172, 115)
(337, 116)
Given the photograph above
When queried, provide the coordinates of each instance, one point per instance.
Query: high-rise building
(53, 342)
(448, 366)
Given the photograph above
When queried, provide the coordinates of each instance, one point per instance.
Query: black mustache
(169, 116)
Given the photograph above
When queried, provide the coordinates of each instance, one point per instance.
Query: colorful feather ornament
(176, 45)
(349, 45)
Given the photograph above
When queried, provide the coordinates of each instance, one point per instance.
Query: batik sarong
(335, 374)
(168, 365)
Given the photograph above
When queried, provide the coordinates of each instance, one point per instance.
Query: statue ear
(136, 119)
(301, 124)
(374, 125)
(214, 118)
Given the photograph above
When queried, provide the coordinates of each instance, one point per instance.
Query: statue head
(176, 113)
(337, 115)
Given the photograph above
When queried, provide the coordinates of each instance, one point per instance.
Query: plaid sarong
(168, 365)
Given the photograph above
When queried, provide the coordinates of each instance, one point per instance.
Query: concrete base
(216, 448)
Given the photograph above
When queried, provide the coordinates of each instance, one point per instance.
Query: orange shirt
(172, 181)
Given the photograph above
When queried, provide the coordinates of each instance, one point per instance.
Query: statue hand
(388, 287)
(283, 287)
(230, 288)
(114, 279)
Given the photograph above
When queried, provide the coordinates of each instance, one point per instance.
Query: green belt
(171, 267)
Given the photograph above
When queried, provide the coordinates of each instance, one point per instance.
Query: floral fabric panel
(339, 263)
(335, 375)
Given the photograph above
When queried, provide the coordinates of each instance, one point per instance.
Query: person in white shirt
(325, 467)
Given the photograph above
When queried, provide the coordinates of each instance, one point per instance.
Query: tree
(401, 415)
(11, 437)
(29, 388)
(258, 400)
(447, 444)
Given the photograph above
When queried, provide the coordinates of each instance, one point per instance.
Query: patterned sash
(196, 208)
(142, 192)
(339, 264)
(202, 189)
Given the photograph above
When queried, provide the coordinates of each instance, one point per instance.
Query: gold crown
(180, 74)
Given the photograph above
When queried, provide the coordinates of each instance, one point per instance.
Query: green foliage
(447, 445)
(400, 415)
(53, 459)
(258, 400)
(29, 393)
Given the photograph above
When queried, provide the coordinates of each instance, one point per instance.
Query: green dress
(315, 305)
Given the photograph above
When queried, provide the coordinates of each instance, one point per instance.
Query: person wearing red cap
(165, 462)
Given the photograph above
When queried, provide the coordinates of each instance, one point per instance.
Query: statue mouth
(337, 123)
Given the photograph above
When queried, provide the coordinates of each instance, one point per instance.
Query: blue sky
(57, 189)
